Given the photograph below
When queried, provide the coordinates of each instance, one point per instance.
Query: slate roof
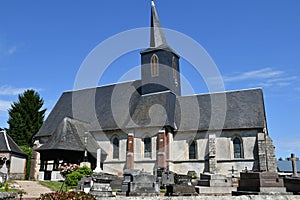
(121, 106)
(7, 145)
(69, 135)
(93, 105)
(286, 166)
(240, 109)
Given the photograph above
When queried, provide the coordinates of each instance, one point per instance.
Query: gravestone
(292, 184)
(98, 162)
(182, 187)
(3, 169)
(234, 180)
(212, 153)
(164, 177)
(101, 185)
(139, 183)
(101, 181)
(85, 184)
(260, 183)
(212, 182)
(293, 159)
(167, 178)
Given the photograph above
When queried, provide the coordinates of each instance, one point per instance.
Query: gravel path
(33, 189)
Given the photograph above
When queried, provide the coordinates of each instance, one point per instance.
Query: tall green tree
(26, 116)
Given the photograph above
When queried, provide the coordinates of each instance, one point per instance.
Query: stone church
(147, 124)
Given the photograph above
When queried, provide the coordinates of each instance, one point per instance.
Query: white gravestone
(98, 168)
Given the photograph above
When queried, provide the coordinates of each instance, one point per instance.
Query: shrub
(85, 171)
(66, 196)
(73, 173)
(73, 178)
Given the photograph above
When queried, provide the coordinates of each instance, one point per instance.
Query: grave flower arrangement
(66, 169)
(66, 196)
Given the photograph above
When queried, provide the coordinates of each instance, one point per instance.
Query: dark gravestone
(181, 190)
(260, 183)
(292, 184)
(138, 183)
(183, 186)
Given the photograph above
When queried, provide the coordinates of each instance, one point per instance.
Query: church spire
(157, 37)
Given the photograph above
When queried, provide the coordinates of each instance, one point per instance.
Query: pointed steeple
(157, 36)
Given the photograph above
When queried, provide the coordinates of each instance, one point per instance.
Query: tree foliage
(26, 117)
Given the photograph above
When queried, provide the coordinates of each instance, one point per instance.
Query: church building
(147, 124)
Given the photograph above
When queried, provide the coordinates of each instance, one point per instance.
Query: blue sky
(253, 43)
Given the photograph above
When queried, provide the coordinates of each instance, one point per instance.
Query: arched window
(147, 147)
(115, 148)
(154, 65)
(174, 64)
(237, 147)
(192, 150)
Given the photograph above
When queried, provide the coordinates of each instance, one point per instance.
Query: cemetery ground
(34, 189)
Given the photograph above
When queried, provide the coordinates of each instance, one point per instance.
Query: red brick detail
(161, 151)
(168, 132)
(130, 152)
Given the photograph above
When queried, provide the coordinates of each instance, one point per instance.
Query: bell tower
(160, 64)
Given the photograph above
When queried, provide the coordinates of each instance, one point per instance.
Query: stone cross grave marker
(232, 170)
(98, 167)
(294, 166)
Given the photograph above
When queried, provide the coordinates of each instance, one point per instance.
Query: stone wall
(16, 176)
(216, 151)
(18, 164)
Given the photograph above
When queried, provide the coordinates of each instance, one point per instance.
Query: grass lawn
(55, 186)
(9, 190)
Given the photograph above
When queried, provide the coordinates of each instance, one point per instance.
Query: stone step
(215, 190)
(215, 182)
(212, 177)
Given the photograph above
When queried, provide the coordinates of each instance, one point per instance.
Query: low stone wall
(244, 197)
(16, 176)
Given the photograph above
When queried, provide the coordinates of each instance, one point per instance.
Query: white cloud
(7, 49)
(7, 90)
(4, 105)
(11, 50)
(255, 74)
(265, 77)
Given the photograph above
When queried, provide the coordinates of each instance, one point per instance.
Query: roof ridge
(6, 141)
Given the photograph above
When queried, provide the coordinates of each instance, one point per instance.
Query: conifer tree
(26, 117)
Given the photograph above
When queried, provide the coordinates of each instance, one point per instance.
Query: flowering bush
(66, 196)
(67, 169)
